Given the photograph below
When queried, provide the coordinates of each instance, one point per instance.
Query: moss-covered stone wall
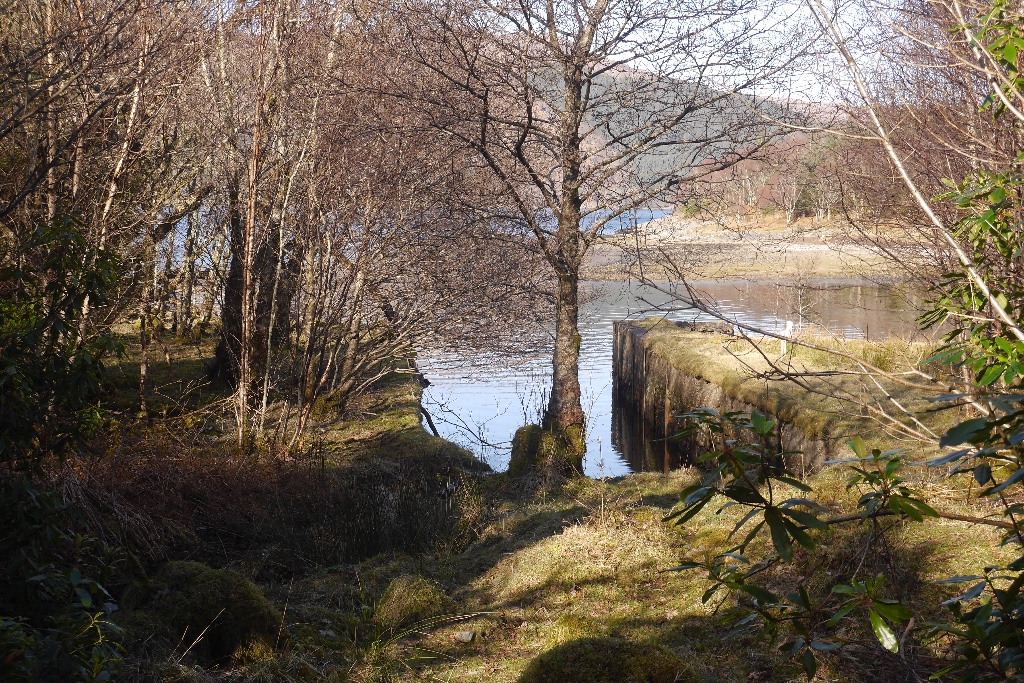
(653, 383)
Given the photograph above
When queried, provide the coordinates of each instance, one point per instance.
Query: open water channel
(479, 401)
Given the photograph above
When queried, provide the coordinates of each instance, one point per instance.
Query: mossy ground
(607, 660)
(588, 561)
(210, 614)
(531, 569)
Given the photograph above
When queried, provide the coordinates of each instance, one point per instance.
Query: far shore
(744, 249)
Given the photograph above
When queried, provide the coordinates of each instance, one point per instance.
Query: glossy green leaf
(805, 518)
(899, 504)
(837, 617)
(991, 374)
(886, 636)
(692, 511)
(926, 509)
(762, 595)
(762, 425)
(958, 579)
(780, 536)
(972, 593)
(950, 458)
(1010, 481)
(84, 597)
(685, 566)
(809, 664)
(795, 483)
(963, 432)
(892, 610)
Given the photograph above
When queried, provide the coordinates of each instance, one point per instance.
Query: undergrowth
(519, 567)
(550, 568)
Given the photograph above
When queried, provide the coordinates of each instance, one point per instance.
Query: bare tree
(88, 93)
(584, 112)
(347, 240)
(913, 127)
(925, 89)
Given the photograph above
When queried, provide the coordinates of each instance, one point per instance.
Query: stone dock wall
(650, 391)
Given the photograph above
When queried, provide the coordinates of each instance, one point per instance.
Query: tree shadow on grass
(482, 556)
(562, 603)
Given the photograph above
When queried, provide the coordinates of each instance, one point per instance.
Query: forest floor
(590, 559)
(755, 248)
(527, 565)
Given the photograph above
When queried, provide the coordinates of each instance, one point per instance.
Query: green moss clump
(409, 599)
(569, 627)
(185, 598)
(607, 660)
(525, 450)
(562, 453)
(573, 447)
(535, 449)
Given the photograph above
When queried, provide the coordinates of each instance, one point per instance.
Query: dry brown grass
(174, 485)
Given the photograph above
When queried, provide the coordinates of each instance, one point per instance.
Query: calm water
(480, 402)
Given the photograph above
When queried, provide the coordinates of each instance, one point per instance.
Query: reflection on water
(480, 401)
(640, 445)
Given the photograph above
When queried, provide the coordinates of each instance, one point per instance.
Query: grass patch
(176, 376)
(409, 599)
(526, 569)
(553, 568)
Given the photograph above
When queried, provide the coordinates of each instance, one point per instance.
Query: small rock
(465, 636)
(328, 633)
(672, 614)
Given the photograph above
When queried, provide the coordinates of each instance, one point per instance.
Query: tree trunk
(225, 363)
(270, 332)
(145, 317)
(183, 311)
(51, 123)
(221, 255)
(143, 357)
(163, 283)
(564, 415)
